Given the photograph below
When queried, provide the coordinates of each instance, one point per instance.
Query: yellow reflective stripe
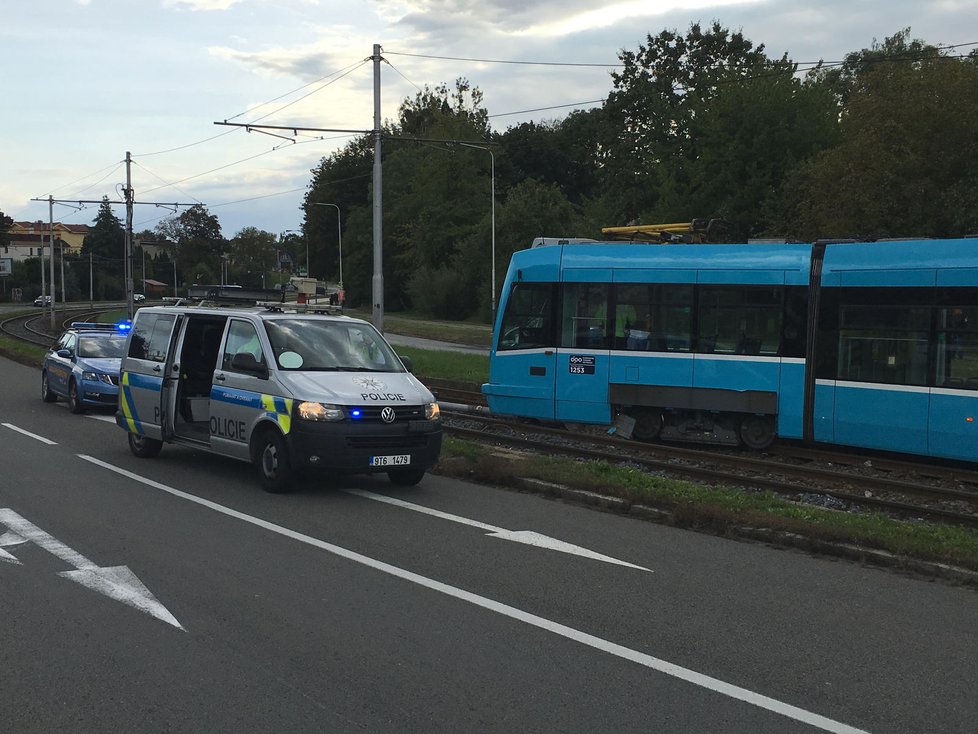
(283, 417)
(124, 402)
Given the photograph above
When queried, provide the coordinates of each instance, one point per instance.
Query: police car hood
(111, 365)
(357, 388)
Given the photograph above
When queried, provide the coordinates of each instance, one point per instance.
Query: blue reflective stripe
(145, 382)
(244, 398)
(281, 406)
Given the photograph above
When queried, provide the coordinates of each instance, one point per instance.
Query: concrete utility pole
(378, 279)
(51, 233)
(129, 270)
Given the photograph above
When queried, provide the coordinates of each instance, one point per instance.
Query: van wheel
(274, 464)
(47, 394)
(406, 477)
(74, 402)
(143, 446)
(757, 432)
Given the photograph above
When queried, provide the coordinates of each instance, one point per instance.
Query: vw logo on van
(387, 415)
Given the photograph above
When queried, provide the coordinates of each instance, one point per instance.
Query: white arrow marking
(8, 539)
(116, 582)
(520, 536)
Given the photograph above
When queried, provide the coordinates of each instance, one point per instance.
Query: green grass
(454, 366)
(716, 509)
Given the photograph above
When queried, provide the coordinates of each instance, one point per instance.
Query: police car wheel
(405, 477)
(74, 402)
(47, 394)
(272, 457)
(143, 446)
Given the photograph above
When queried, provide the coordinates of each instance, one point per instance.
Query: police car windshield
(103, 345)
(329, 346)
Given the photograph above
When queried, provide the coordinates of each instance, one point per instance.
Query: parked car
(138, 298)
(83, 366)
(42, 301)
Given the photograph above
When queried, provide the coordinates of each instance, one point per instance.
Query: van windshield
(330, 346)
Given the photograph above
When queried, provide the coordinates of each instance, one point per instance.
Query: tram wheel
(648, 425)
(757, 431)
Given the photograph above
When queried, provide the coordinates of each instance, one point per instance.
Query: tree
(105, 243)
(5, 224)
(903, 166)
(200, 245)
(252, 255)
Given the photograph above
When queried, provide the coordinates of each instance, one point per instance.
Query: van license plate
(398, 460)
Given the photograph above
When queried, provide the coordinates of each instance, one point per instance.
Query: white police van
(283, 385)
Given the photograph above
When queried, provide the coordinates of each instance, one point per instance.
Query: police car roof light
(91, 325)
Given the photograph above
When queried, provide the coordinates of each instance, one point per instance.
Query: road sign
(6, 266)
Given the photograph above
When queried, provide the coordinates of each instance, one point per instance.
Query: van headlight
(432, 412)
(320, 412)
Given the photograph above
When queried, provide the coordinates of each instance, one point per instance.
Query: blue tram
(870, 344)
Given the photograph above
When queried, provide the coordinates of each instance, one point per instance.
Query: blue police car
(83, 366)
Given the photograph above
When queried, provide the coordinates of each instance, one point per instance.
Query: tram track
(34, 328)
(831, 478)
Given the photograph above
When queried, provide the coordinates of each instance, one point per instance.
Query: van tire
(144, 447)
(273, 462)
(406, 477)
(47, 394)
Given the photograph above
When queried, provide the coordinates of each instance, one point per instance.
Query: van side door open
(148, 376)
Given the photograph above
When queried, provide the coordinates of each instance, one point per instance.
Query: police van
(283, 385)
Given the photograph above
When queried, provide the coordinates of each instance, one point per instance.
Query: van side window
(151, 337)
(242, 337)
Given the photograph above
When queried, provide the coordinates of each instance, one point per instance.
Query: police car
(282, 385)
(83, 366)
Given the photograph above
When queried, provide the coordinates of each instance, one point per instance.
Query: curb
(778, 538)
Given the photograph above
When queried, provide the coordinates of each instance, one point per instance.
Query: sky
(84, 82)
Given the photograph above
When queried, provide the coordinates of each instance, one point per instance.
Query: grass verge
(714, 509)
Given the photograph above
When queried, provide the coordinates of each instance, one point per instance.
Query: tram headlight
(319, 412)
(432, 412)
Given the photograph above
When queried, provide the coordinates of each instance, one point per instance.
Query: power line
(502, 61)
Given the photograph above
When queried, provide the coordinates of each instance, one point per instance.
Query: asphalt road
(330, 610)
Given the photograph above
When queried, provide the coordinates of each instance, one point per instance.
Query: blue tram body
(864, 344)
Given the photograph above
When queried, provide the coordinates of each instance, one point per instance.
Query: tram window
(740, 319)
(957, 347)
(886, 344)
(584, 323)
(656, 316)
(528, 318)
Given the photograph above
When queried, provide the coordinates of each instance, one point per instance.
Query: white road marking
(625, 653)
(115, 582)
(12, 427)
(528, 537)
(105, 418)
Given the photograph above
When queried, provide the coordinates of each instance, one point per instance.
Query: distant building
(73, 235)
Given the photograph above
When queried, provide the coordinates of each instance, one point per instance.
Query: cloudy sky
(85, 81)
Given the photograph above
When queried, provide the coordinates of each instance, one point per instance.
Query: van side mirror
(406, 361)
(246, 362)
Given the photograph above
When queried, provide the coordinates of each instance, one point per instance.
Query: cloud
(200, 5)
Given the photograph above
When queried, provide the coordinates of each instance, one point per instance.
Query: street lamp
(339, 233)
(492, 194)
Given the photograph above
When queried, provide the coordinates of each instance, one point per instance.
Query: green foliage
(106, 244)
(252, 256)
(902, 166)
(200, 244)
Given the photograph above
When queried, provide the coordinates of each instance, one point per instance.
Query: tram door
(587, 328)
(521, 367)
